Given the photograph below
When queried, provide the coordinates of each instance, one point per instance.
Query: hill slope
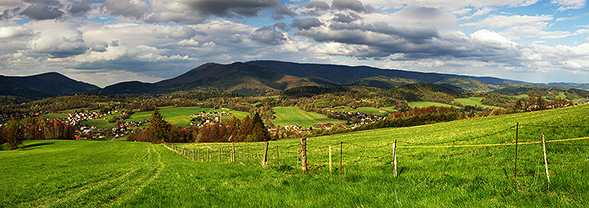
(42, 85)
(347, 74)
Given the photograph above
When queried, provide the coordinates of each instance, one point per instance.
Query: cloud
(42, 10)
(231, 8)
(184, 33)
(127, 8)
(491, 39)
(9, 13)
(346, 18)
(500, 21)
(15, 31)
(78, 8)
(354, 5)
(568, 4)
(305, 24)
(282, 10)
(98, 46)
(57, 40)
(268, 35)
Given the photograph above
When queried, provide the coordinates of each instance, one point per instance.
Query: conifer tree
(158, 130)
(259, 130)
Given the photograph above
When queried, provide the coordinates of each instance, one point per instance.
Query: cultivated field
(461, 163)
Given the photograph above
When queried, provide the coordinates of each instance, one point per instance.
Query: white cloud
(569, 4)
(15, 31)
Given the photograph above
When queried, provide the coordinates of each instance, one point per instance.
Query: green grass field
(179, 116)
(294, 115)
(467, 163)
(473, 101)
(427, 104)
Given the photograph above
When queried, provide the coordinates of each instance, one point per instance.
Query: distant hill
(384, 82)
(467, 85)
(237, 77)
(42, 85)
(126, 88)
(350, 74)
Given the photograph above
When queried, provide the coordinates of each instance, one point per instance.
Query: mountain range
(261, 76)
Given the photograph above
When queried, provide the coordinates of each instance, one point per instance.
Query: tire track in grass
(115, 189)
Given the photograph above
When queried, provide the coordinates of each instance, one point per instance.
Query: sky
(104, 42)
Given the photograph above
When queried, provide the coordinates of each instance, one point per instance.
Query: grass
(131, 174)
(294, 115)
(54, 115)
(427, 104)
(473, 101)
(179, 116)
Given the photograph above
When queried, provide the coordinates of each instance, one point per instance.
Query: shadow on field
(37, 144)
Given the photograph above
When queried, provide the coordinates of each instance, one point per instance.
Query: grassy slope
(179, 116)
(427, 104)
(129, 174)
(294, 115)
(473, 101)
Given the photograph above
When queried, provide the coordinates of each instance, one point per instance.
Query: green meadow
(179, 116)
(466, 163)
(427, 104)
(294, 115)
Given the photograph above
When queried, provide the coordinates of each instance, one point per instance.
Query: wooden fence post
(248, 155)
(265, 157)
(199, 155)
(298, 156)
(277, 156)
(545, 160)
(233, 152)
(208, 155)
(516, 138)
(192, 154)
(184, 151)
(330, 166)
(304, 154)
(219, 154)
(395, 159)
(341, 158)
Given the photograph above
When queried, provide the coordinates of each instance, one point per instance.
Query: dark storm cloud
(42, 10)
(281, 25)
(9, 13)
(268, 35)
(354, 5)
(316, 7)
(282, 10)
(79, 8)
(126, 8)
(305, 24)
(231, 8)
(319, 5)
(346, 18)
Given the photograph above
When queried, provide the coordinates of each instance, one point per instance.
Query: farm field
(466, 162)
(179, 116)
(294, 115)
(473, 101)
(427, 104)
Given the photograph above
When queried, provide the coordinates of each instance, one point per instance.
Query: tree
(158, 129)
(13, 134)
(259, 130)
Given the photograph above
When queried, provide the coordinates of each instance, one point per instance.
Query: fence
(518, 152)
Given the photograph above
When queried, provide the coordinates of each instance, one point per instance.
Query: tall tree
(158, 129)
(13, 134)
(259, 130)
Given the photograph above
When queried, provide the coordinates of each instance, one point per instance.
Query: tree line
(34, 128)
(248, 129)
